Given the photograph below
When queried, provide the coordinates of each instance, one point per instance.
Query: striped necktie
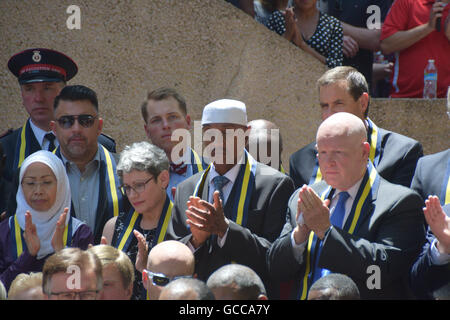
(219, 183)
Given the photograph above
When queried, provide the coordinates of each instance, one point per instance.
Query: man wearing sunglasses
(167, 261)
(42, 74)
(91, 168)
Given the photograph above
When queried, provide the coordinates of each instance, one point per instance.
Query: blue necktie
(219, 183)
(337, 219)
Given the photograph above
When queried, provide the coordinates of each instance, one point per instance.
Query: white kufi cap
(225, 111)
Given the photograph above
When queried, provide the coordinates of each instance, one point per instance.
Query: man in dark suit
(431, 271)
(42, 73)
(344, 89)
(432, 176)
(375, 229)
(232, 211)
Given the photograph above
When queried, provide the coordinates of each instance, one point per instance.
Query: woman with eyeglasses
(42, 224)
(144, 171)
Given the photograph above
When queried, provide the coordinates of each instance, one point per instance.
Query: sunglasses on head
(85, 120)
(159, 279)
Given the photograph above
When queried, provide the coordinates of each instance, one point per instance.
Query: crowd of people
(361, 214)
(388, 41)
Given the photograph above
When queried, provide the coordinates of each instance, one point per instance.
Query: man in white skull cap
(236, 208)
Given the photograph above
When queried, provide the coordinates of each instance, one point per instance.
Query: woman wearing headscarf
(42, 224)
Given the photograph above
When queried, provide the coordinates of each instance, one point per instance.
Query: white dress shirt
(40, 136)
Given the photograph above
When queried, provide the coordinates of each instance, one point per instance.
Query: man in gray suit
(375, 230)
(344, 89)
(236, 208)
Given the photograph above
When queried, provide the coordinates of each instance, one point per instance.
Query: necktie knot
(178, 168)
(219, 183)
(51, 139)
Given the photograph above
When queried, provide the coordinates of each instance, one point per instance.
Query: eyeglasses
(85, 120)
(138, 187)
(82, 295)
(32, 185)
(159, 279)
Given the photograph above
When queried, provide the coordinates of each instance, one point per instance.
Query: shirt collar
(230, 174)
(38, 133)
(68, 164)
(352, 191)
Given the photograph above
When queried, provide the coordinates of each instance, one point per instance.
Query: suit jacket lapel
(368, 206)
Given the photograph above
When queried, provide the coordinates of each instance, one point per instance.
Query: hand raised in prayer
(30, 235)
(57, 239)
(142, 256)
(301, 231)
(315, 211)
(439, 223)
(291, 25)
(199, 234)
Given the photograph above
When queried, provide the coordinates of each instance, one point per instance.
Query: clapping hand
(57, 239)
(142, 256)
(195, 219)
(30, 235)
(315, 211)
(439, 223)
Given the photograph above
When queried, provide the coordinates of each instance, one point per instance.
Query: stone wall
(206, 49)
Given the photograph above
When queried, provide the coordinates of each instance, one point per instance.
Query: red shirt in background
(407, 76)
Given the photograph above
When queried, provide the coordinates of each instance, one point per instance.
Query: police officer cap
(225, 111)
(42, 65)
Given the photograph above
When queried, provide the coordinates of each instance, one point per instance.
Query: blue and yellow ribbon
(22, 147)
(245, 183)
(18, 241)
(445, 193)
(114, 193)
(197, 164)
(363, 198)
(134, 219)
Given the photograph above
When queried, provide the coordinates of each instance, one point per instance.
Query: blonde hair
(61, 260)
(24, 282)
(110, 255)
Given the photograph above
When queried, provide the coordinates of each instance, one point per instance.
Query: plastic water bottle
(430, 80)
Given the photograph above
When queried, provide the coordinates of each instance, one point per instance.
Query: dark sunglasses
(159, 279)
(85, 120)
